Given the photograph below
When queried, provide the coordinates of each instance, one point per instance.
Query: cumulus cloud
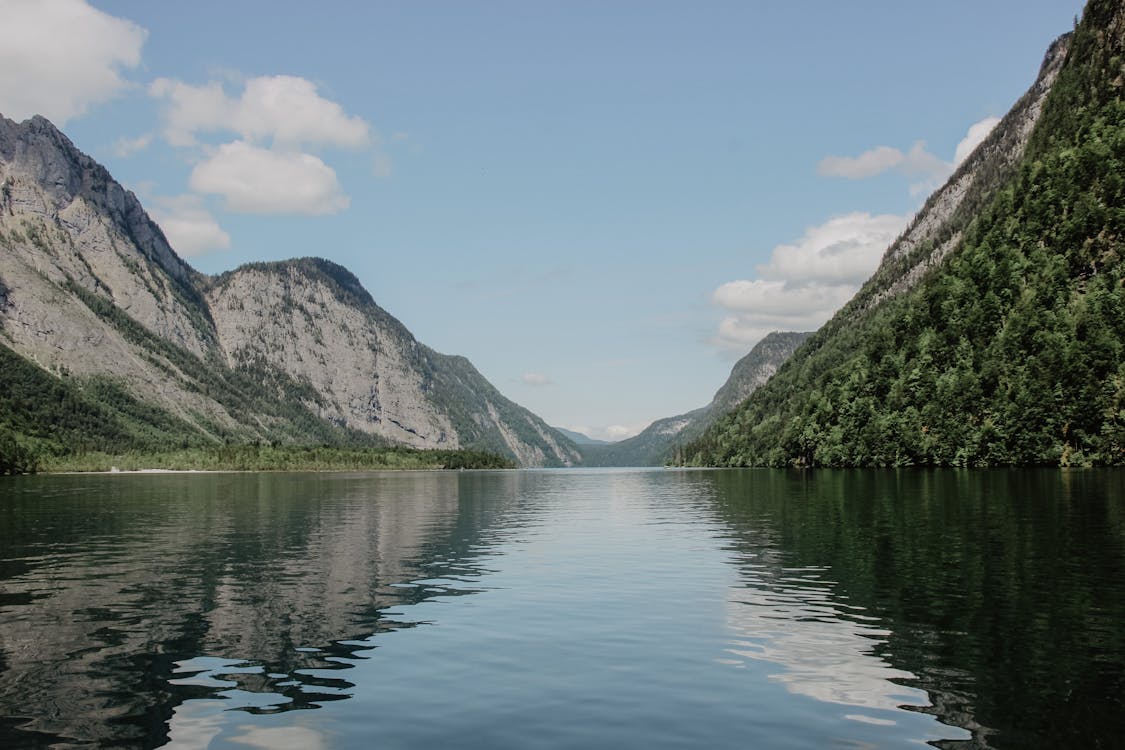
(978, 131)
(915, 162)
(278, 120)
(845, 249)
(289, 111)
(806, 281)
(257, 180)
(927, 169)
(60, 57)
(190, 109)
(190, 228)
(283, 111)
(535, 378)
(868, 164)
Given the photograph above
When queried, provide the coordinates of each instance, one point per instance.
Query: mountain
(657, 443)
(98, 312)
(992, 332)
(579, 438)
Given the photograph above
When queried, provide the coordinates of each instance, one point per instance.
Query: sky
(602, 204)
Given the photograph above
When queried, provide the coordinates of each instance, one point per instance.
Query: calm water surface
(564, 609)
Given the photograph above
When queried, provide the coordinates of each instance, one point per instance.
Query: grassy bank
(281, 458)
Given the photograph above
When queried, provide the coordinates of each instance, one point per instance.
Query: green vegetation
(15, 456)
(46, 416)
(1011, 352)
(280, 458)
(50, 423)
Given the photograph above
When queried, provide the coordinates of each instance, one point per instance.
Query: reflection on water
(564, 609)
(1000, 594)
(126, 580)
(789, 617)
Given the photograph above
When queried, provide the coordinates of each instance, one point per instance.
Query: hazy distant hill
(580, 439)
(656, 444)
(993, 331)
(99, 315)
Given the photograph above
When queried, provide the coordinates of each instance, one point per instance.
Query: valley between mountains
(992, 333)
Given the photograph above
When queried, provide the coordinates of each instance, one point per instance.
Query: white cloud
(191, 109)
(261, 181)
(278, 120)
(782, 302)
(60, 57)
(535, 378)
(125, 147)
(915, 162)
(978, 131)
(288, 110)
(190, 228)
(805, 282)
(920, 162)
(283, 111)
(868, 164)
(844, 249)
(929, 171)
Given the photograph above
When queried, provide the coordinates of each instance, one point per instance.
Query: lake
(564, 609)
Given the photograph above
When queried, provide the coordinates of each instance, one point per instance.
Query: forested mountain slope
(1004, 345)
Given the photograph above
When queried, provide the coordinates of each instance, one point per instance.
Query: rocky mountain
(92, 294)
(656, 444)
(993, 331)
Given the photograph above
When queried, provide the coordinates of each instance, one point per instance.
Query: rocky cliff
(295, 351)
(313, 319)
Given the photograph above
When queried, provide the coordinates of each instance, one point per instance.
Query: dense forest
(94, 424)
(1010, 352)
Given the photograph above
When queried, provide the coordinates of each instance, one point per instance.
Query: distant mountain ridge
(579, 438)
(993, 332)
(296, 351)
(657, 443)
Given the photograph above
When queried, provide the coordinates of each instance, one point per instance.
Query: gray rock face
(64, 216)
(938, 227)
(368, 371)
(90, 286)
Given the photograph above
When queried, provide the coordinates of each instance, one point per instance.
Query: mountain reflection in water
(564, 609)
(127, 580)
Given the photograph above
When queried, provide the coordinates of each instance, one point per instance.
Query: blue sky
(601, 204)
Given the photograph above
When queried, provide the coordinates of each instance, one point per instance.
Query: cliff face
(939, 226)
(295, 351)
(366, 367)
(658, 442)
(74, 245)
(314, 321)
